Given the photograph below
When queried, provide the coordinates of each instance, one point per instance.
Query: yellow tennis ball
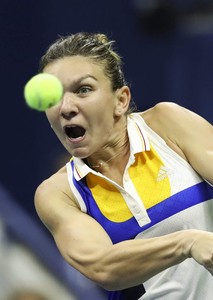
(43, 91)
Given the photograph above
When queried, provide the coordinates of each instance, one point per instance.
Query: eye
(84, 90)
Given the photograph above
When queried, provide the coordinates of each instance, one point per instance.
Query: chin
(79, 153)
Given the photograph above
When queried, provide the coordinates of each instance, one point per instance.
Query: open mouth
(74, 131)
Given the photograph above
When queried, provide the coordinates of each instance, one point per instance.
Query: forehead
(74, 67)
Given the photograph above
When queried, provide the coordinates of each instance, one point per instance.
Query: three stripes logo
(163, 173)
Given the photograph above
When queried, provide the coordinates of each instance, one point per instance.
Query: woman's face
(84, 120)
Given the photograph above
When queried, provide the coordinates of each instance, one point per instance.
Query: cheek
(104, 123)
(105, 106)
(51, 115)
(48, 115)
(54, 123)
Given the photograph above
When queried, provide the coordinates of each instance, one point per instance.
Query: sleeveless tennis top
(161, 194)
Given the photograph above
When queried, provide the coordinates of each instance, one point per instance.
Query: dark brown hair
(94, 46)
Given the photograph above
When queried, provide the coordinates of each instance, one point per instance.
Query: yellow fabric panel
(108, 199)
(144, 174)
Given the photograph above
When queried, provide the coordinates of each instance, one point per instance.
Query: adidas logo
(163, 173)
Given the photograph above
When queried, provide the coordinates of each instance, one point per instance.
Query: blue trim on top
(120, 231)
(81, 186)
(189, 197)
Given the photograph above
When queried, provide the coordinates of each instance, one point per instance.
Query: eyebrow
(79, 80)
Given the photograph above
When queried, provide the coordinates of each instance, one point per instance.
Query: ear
(123, 97)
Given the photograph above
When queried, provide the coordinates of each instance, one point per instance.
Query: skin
(83, 103)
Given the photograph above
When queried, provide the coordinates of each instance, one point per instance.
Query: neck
(117, 154)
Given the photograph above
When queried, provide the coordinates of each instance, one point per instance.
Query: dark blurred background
(167, 47)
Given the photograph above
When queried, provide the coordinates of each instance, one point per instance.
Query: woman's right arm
(85, 245)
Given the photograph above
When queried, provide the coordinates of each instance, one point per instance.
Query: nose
(68, 107)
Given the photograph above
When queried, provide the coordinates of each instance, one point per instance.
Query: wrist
(188, 240)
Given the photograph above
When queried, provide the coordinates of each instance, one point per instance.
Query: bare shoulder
(164, 112)
(178, 126)
(165, 118)
(173, 120)
(56, 181)
(52, 196)
(181, 129)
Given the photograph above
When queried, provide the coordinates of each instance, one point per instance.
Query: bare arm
(85, 245)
